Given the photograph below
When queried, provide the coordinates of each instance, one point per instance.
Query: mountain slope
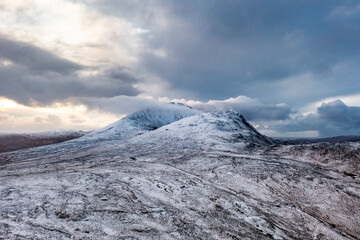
(207, 176)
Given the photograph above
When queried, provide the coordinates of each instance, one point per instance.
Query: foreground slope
(208, 176)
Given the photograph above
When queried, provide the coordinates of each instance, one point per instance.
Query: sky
(290, 67)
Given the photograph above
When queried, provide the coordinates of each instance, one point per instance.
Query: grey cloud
(331, 119)
(35, 58)
(39, 77)
(340, 114)
(23, 86)
(122, 73)
(49, 119)
(299, 123)
(119, 104)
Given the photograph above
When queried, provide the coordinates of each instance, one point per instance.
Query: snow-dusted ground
(208, 176)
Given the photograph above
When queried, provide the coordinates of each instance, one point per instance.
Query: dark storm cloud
(22, 86)
(220, 49)
(331, 119)
(36, 76)
(340, 114)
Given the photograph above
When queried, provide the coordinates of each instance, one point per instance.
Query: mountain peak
(146, 119)
(237, 118)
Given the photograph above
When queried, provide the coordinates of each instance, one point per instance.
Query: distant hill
(13, 142)
(337, 139)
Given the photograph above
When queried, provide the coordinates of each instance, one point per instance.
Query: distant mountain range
(336, 139)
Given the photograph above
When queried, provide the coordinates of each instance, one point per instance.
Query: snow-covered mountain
(226, 130)
(180, 174)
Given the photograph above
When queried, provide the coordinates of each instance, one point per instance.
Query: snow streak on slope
(142, 121)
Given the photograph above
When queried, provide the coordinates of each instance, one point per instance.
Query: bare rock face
(204, 176)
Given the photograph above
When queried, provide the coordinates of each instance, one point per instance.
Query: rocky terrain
(179, 174)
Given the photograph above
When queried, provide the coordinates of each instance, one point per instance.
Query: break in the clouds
(267, 60)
